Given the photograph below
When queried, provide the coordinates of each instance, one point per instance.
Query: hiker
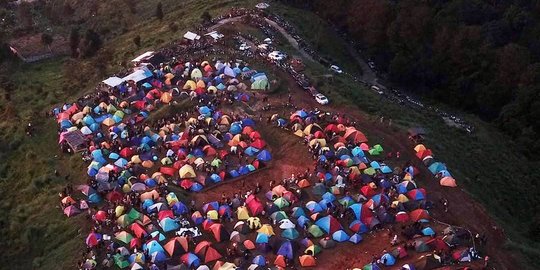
(445, 204)
(394, 240)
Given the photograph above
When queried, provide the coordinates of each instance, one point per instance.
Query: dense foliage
(478, 55)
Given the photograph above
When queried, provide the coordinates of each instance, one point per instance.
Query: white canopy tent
(138, 75)
(191, 36)
(113, 81)
(143, 56)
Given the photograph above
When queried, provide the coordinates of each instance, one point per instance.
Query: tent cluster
(191, 151)
(436, 168)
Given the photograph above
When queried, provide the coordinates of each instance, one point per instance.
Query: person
(486, 261)
(445, 204)
(394, 240)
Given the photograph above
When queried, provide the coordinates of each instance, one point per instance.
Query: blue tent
(261, 238)
(428, 231)
(286, 250)
(205, 110)
(355, 238)
(436, 167)
(198, 152)
(301, 113)
(235, 128)
(179, 208)
(94, 198)
(358, 152)
(243, 170)
(147, 203)
(158, 257)
(259, 260)
(215, 178)
(251, 151)
(281, 122)
(196, 187)
(329, 197)
(386, 169)
(388, 259)
(264, 155)
(340, 236)
(153, 246)
(248, 122)
(168, 224)
(375, 165)
(302, 220)
(234, 173)
(298, 212)
(314, 207)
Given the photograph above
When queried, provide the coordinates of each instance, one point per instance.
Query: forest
(479, 56)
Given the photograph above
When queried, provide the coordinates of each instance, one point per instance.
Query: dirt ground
(291, 156)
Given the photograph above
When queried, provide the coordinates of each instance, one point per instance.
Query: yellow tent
(148, 164)
(212, 214)
(119, 210)
(109, 122)
(419, 148)
(197, 139)
(312, 128)
(402, 198)
(204, 63)
(136, 159)
(166, 97)
(169, 76)
(266, 229)
(299, 133)
(212, 89)
(190, 85)
(242, 213)
(322, 142)
(187, 172)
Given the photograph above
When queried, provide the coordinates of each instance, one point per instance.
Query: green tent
(134, 214)
(315, 231)
(281, 202)
(378, 147)
(111, 108)
(120, 261)
(260, 85)
(119, 114)
(369, 171)
(374, 152)
(216, 162)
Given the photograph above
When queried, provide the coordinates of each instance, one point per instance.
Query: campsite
(214, 152)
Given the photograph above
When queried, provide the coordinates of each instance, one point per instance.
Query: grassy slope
(506, 180)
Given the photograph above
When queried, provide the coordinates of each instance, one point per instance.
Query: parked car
(244, 47)
(377, 89)
(321, 99)
(371, 64)
(263, 47)
(277, 55)
(336, 69)
(267, 41)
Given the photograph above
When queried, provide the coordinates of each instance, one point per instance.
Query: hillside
(480, 56)
(489, 164)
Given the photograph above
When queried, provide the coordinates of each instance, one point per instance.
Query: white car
(336, 69)
(377, 89)
(371, 64)
(263, 47)
(321, 99)
(244, 47)
(277, 55)
(267, 41)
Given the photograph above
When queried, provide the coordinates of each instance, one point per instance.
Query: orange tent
(448, 181)
(280, 261)
(304, 183)
(307, 261)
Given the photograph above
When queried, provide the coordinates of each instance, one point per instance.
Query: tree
(137, 40)
(159, 11)
(206, 17)
(91, 44)
(74, 40)
(47, 40)
(24, 14)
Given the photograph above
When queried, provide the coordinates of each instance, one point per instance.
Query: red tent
(437, 244)
(176, 246)
(165, 213)
(255, 135)
(220, 234)
(138, 230)
(260, 144)
(419, 214)
(100, 216)
(167, 171)
(254, 205)
(127, 152)
(114, 196)
(368, 191)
